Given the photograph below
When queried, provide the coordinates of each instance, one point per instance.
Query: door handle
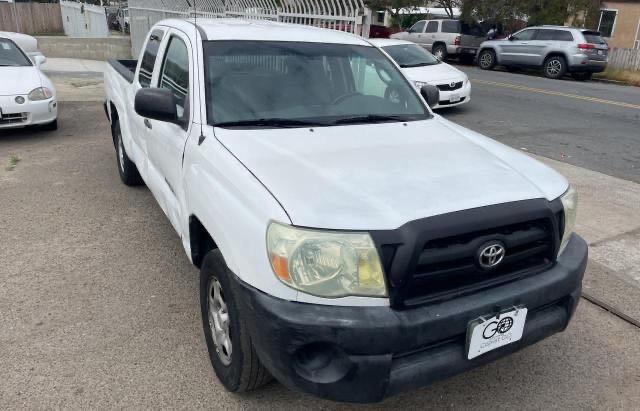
(524, 42)
(147, 123)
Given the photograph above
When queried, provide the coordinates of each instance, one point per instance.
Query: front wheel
(555, 67)
(440, 51)
(487, 59)
(231, 351)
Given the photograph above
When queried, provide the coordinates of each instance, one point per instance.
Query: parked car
(27, 43)
(350, 245)
(422, 67)
(556, 50)
(27, 96)
(444, 38)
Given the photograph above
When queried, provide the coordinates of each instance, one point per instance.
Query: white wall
(83, 20)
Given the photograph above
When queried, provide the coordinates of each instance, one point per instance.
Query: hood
(434, 74)
(380, 176)
(19, 80)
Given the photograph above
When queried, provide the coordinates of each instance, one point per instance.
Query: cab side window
(149, 58)
(432, 27)
(174, 74)
(524, 35)
(418, 27)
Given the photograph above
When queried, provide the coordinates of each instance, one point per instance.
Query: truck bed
(126, 68)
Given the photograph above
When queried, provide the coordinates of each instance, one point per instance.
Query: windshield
(11, 55)
(294, 84)
(411, 55)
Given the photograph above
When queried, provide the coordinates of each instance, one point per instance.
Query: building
(619, 23)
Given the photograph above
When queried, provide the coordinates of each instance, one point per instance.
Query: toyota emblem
(491, 254)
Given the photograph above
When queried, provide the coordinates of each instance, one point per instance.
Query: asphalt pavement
(588, 124)
(99, 304)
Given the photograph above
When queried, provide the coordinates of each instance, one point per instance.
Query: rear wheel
(555, 67)
(231, 351)
(487, 59)
(126, 168)
(440, 51)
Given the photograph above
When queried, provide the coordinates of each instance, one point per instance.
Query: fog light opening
(321, 362)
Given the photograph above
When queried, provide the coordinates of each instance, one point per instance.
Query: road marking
(558, 93)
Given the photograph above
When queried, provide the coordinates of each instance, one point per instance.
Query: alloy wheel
(219, 322)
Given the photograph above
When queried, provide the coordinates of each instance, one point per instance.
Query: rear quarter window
(593, 37)
(450, 26)
(149, 58)
(562, 35)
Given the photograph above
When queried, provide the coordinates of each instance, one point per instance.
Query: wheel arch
(113, 117)
(556, 54)
(200, 240)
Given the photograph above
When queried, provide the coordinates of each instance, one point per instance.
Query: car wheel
(126, 168)
(555, 67)
(487, 60)
(231, 351)
(51, 126)
(582, 76)
(440, 51)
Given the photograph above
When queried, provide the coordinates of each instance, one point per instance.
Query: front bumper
(463, 93)
(364, 354)
(29, 113)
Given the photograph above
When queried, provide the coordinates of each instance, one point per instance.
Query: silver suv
(555, 49)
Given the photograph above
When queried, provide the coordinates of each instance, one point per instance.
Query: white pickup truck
(350, 246)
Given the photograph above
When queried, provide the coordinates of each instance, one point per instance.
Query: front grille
(437, 258)
(450, 264)
(449, 87)
(13, 118)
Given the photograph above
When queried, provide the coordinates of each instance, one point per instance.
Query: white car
(422, 67)
(27, 43)
(27, 96)
(349, 245)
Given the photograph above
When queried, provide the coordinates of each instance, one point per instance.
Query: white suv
(440, 37)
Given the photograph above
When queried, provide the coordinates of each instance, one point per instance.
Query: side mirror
(510, 38)
(39, 60)
(431, 94)
(157, 104)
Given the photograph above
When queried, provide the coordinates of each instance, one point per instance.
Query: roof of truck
(239, 29)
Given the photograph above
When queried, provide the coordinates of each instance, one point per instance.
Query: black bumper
(364, 354)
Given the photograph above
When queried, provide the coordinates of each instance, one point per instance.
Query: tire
(440, 51)
(126, 168)
(238, 369)
(582, 76)
(487, 59)
(51, 126)
(554, 67)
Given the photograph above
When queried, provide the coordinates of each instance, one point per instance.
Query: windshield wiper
(270, 122)
(372, 118)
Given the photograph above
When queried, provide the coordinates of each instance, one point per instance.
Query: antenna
(197, 68)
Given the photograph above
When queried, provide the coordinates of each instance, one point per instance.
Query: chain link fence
(344, 15)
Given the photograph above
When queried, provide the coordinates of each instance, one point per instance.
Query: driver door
(416, 32)
(519, 49)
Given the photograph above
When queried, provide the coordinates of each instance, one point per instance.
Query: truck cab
(350, 245)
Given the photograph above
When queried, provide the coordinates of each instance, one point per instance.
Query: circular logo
(452, 84)
(491, 254)
(497, 327)
(20, 100)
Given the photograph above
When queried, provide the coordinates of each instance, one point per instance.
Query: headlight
(40, 93)
(420, 84)
(325, 263)
(570, 204)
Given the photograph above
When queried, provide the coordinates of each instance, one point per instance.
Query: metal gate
(344, 15)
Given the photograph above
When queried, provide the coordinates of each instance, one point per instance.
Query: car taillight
(456, 42)
(586, 46)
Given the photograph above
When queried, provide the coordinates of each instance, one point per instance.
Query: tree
(449, 5)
